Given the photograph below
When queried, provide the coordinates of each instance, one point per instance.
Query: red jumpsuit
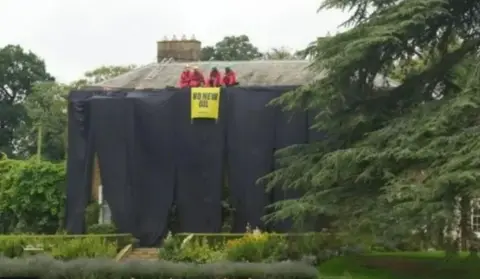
(185, 78)
(197, 79)
(230, 79)
(215, 79)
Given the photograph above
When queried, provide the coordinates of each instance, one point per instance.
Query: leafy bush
(257, 247)
(190, 249)
(42, 267)
(102, 229)
(215, 239)
(12, 248)
(85, 247)
(32, 196)
(64, 246)
(92, 213)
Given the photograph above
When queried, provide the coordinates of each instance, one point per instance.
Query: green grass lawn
(403, 265)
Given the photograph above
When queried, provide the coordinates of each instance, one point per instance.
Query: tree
(44, 133)
(208, 53)
(397, 158)
(282, 53)
(19, 71)
(101, 74)
(231, 48)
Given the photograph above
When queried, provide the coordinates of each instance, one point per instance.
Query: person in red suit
(229, 78)
(185, 77)
(215, 78)
(197, 79)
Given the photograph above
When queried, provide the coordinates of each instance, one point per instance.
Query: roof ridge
(239, 62)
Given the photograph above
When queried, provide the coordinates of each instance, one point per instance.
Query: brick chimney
(183, 50)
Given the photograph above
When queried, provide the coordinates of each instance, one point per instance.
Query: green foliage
(92, 213)
(257, 247)
(19, 71)
(44, 130)
(64, 247)
(102, 229)
(400, 265)
(100, 74)
(231, 48)
(32, 196)
(86, 247)
(397, 155)
(190, 249)
(41, 267)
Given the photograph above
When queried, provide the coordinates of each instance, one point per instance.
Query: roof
(249, 73)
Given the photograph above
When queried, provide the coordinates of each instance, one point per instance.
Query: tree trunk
(465, 222)
(39, 142)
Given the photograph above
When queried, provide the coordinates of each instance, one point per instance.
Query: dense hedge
(33, 196)
(43, 267)
(64, 247)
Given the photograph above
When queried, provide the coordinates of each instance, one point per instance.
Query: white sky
(74, 36)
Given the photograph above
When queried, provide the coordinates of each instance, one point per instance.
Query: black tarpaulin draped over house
(149, 148)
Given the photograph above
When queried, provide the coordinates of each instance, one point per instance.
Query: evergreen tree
(398, 155)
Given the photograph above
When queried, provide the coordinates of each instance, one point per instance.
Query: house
(174, 55)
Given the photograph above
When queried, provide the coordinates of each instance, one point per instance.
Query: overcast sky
(74, 36)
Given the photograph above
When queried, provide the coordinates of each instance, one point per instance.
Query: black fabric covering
(250, 147)
(150, 151)
(152, 165)
(79, 161)
(112, 120)
(199, 149)
(290, 128)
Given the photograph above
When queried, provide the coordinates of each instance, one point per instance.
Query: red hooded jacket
(197, 79)
(185, 79)
(215, 79)
(230, 78)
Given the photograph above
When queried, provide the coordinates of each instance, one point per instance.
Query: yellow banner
(205, 102)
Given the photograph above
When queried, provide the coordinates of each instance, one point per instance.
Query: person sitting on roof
(215, 78)
(185, 77)
(197, 79)
(229, 78)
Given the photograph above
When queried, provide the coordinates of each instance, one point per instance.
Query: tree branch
(4, 91)
(438, 69)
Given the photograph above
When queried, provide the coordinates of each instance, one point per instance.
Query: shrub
(42, 267)
(265, 247)
(257, 247)
(12, 248)
(32, 195)
(65, 246)
(102, 229)
(92, 213)
(84, 248)
(190, 249)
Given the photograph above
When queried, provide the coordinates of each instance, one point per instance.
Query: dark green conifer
(399, 152)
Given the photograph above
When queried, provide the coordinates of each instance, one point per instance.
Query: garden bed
(64, 247)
